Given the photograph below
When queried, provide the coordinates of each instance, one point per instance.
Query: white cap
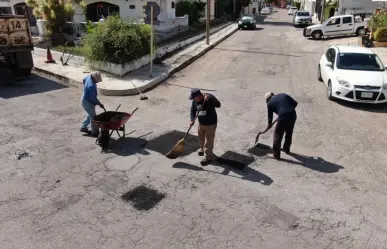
(96, 76)
(268, 95)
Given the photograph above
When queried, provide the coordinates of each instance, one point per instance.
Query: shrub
(378, 21)
(56, 13)
(381, 34)
(117, 41)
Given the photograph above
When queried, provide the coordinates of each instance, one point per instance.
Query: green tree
(191, 8)
(55, 12)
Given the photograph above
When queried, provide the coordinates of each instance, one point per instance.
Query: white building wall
(357, 6)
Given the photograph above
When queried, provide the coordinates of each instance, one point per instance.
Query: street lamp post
(208, 22)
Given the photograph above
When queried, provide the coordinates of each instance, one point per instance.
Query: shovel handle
(275, 121)
(134, 110)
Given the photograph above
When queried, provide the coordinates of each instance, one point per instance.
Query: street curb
(63, 79)
(163, 77)
(133, 91)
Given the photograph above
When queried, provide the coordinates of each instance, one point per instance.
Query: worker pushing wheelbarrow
(110, 121)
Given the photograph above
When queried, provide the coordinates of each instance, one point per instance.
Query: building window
(5, 11)
(99, 10)
(132, 7)
(173, 5)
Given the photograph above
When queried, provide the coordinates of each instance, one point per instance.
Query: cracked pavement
(59, 191)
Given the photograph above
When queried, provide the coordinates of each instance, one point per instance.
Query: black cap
(194, 93)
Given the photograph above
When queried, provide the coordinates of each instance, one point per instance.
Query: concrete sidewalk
(115, 86)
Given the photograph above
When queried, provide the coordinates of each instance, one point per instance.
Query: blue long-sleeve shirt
(90, 92)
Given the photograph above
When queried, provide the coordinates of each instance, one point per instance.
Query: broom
(179, 147)
(261, 132)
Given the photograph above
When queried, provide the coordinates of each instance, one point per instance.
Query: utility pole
(151, 44)
(208, 22)
(322, 11)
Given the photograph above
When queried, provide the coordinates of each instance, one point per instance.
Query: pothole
(20, 154)
(143, 197)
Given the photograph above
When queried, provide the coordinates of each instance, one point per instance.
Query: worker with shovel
(285, 107)
(203, 107)
(89, 101)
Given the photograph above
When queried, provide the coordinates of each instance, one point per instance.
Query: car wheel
(317, 35)
(361, 31)
(319, 73)
(329, 91)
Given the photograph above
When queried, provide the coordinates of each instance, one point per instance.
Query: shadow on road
(247, 173)
(379, 108)
(165, 142)
(314, 163)
(26, 86)
(278, 23)
(127, 146)
(255, 52)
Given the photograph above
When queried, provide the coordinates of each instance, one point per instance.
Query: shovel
(261, 132)
(179, 147)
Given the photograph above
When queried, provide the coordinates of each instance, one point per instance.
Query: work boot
(277, 157)
(201, 152)
(287, 151)
(205, 162)
(85, 130)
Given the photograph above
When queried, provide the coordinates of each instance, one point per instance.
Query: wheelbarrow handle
(118, 107)
(134, 110)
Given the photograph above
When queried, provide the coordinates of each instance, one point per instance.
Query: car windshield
(326, 22)
(361, 62)
(303, 14)
(247, 18)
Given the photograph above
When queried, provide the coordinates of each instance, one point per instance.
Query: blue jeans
(90, 110)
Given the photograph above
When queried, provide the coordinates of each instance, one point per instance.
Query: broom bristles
(176, 151)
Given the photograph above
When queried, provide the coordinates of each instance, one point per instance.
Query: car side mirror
(385, 67)
(329, 64)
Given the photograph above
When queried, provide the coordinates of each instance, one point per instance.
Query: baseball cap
(194, 93)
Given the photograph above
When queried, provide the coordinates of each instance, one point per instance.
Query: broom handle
(197, 114)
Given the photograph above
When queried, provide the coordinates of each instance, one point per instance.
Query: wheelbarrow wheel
(123, 131)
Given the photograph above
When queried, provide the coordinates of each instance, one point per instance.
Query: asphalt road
(58, 190)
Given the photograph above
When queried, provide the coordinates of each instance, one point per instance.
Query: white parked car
(302, 18)
(337, 26)
(265, 11)
(292, 10)
(354, 74)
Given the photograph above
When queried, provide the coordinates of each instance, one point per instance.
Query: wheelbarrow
(110, 121)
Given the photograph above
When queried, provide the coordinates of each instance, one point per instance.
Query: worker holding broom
(89, 101)
(203, 108)
(285, 107)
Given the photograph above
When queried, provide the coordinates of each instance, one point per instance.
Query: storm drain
(143, 197)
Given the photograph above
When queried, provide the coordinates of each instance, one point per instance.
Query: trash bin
(365, 41)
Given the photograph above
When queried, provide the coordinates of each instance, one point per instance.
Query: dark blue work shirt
(282, 104)
(207, 113)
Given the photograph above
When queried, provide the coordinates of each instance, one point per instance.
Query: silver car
(302, 18)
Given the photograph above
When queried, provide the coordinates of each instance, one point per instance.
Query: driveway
(58, 190)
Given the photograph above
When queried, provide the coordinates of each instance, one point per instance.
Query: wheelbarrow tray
(111, 120)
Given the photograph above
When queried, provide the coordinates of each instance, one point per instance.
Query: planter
(379, 44)
(122, 69)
